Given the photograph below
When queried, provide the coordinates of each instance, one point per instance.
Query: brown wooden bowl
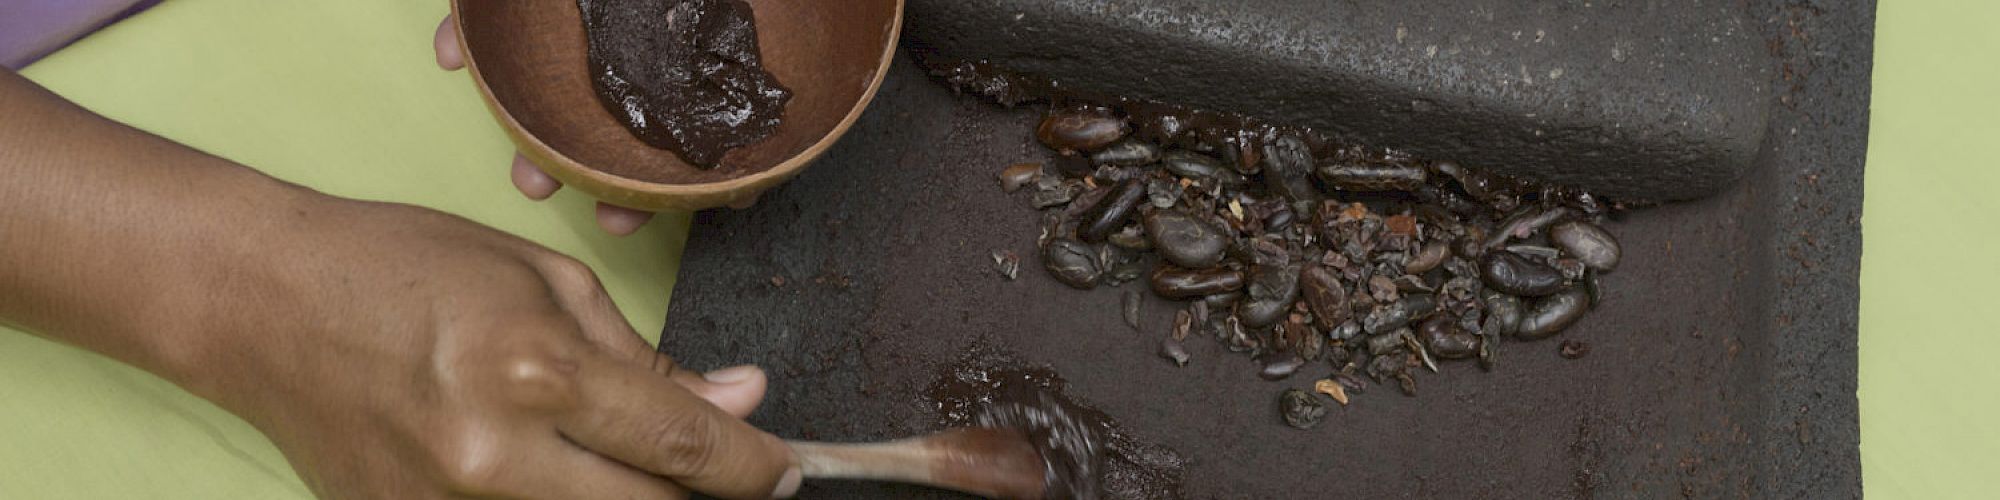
(528, 59)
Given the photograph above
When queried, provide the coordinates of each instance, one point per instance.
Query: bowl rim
(614, 188)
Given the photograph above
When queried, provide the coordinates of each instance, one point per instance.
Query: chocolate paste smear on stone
(1086, 454)
(683, 75)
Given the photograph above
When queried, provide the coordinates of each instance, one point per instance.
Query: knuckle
(662, 364)
(468, 463)
(570, 274)
(541, 379)
(689, 443)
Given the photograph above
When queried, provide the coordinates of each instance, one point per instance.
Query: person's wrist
(248, 286)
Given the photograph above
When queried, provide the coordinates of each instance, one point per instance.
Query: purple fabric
(30, 29)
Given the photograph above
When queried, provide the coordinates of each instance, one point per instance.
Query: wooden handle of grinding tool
(993, 463)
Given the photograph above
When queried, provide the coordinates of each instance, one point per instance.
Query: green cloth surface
(1931, 254)
(343, 96)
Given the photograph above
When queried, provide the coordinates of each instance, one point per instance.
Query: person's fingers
(537, 185)
(531, 180)
(556, 468)
(736, 391)
(619, 220)
(450, 55)
(582, 295)
(656, 425)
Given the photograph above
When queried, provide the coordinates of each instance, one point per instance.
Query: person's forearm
(390, 351)
(122, 242)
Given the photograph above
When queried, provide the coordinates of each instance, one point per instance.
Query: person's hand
(399, 352)
(389, 351)
(532, 182)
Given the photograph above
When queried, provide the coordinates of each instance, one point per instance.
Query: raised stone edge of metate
(1634, 102)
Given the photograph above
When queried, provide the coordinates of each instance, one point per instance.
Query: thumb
(655, 424)
(736, 390)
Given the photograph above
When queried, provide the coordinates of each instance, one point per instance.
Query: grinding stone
(1639, 101)
(1722, 361)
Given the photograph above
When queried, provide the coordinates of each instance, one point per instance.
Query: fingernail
(731, 376)
(789, 485)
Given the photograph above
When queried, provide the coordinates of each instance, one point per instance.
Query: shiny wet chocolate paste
(683, 75)
(1086, 455)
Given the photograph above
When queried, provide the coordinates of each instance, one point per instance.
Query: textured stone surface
(1722, 360)
(1635, 100)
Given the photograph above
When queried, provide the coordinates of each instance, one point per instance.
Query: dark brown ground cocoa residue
(683, 75)
(1087, 455)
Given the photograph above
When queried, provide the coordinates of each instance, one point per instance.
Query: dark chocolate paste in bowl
(683, 75)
